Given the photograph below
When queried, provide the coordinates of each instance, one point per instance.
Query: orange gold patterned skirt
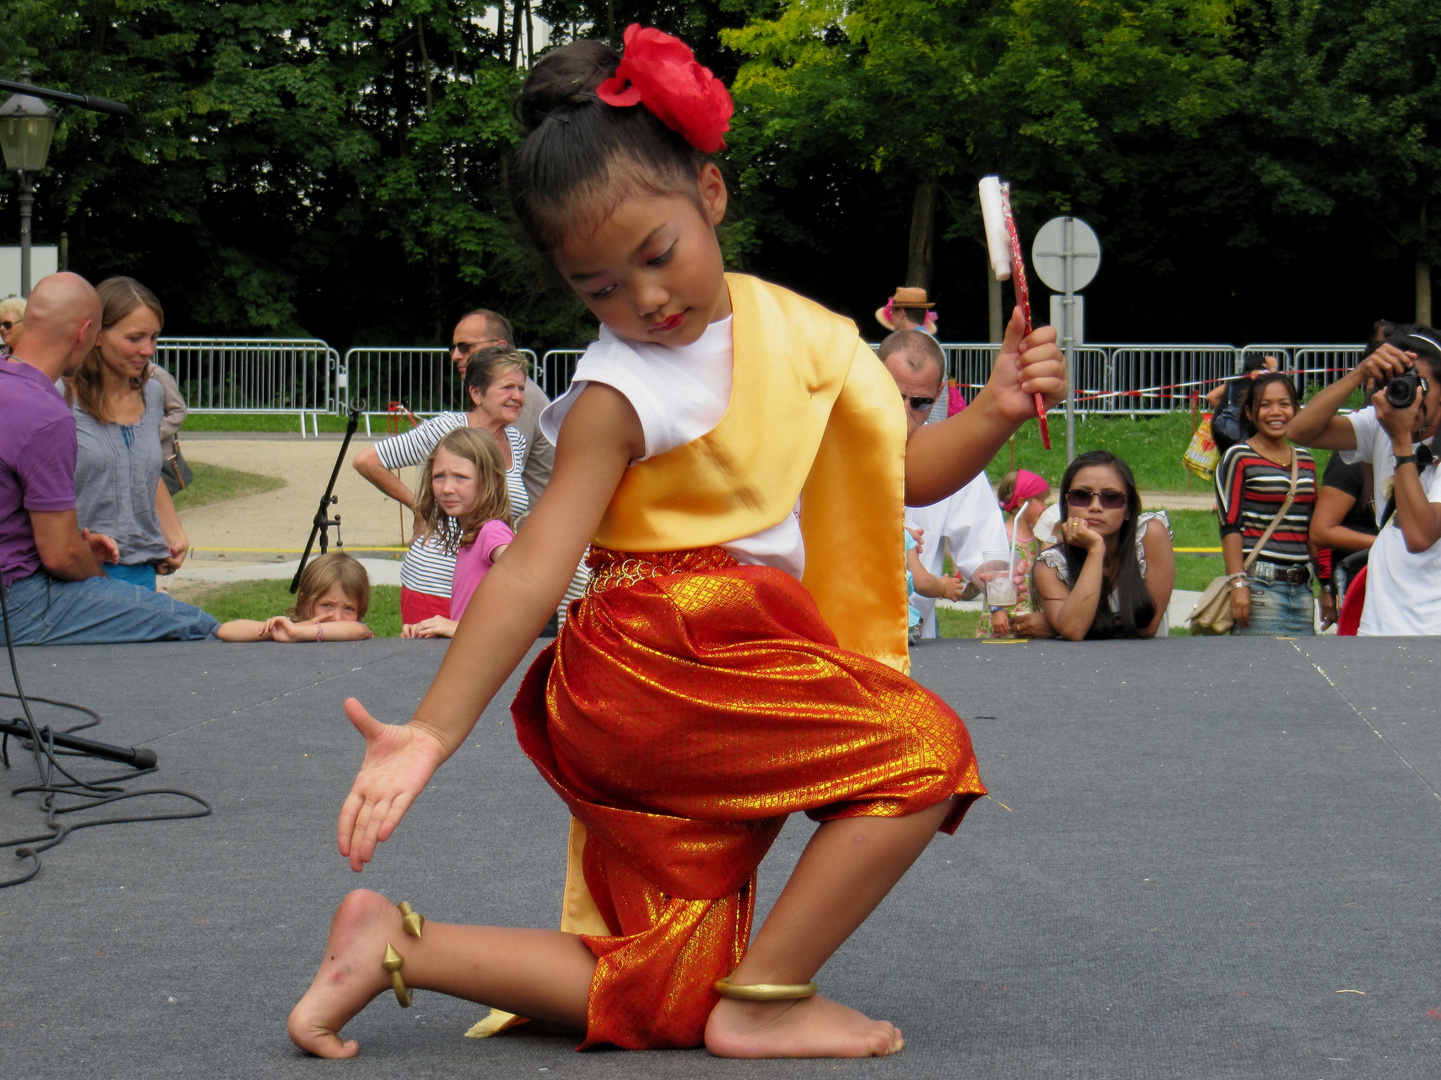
(689, 705)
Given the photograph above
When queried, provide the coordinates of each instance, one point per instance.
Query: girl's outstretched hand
(399, 761)
(1027, 364)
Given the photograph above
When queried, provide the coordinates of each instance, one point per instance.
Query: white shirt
(1373, 444)
(680, 393)
(968, 523)
(1403, 590)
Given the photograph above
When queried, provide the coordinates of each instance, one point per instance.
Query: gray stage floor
(1201, 859)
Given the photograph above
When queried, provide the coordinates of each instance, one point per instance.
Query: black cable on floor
(90, 793)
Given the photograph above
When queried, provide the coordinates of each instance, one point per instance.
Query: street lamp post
(26, 128)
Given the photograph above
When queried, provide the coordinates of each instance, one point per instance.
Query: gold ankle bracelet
(765, 991)
(411, 920)
(392, 963)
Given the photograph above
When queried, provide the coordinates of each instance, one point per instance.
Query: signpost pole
(1069, 305)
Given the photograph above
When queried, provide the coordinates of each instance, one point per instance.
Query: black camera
(1402, 389)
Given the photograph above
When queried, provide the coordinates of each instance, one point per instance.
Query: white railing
(253, 375)
(556, 368)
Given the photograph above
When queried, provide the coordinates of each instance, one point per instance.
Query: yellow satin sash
(813, 415)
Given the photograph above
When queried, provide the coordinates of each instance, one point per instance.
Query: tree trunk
(515, 33)
(1423, 275)
(529, 35)
(425, 64)
(923, 235)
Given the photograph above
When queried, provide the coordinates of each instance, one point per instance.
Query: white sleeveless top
(680, 393)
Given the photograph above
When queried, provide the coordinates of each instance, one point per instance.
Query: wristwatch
(1403, 459)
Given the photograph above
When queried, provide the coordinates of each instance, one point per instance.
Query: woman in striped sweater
(1274, 595)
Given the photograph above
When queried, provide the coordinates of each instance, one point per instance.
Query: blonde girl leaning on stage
(330, 602)
(632, 714)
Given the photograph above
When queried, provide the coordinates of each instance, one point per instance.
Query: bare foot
(349, 976)
(811, 1027)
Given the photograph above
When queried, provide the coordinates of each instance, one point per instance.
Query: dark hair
(579, 151)
(496, 319)
(1255, 363)
(488, 364)
(1253, 398)
(1135, 608)
(1421, 340)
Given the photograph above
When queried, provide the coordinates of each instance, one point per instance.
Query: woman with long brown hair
(118, 411)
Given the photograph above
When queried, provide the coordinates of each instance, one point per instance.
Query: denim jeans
(1280, 608)
(98, 611)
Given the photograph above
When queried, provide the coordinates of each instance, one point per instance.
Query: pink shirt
(473, 561)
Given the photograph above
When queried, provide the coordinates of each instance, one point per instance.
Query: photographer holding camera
(1394, 433)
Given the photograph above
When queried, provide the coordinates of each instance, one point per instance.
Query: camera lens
(1401, 391)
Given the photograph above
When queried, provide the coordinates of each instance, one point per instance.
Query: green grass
(262, 599)
(951, 623)
(216, 483)
(1151, 445)
(259, 422)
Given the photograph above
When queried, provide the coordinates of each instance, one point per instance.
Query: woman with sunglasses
(12, 318)
(1272, 596)
(1112, 572)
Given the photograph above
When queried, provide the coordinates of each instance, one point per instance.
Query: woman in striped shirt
(1274, 595)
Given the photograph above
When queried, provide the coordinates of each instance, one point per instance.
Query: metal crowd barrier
(556, 368)
(253, 375)
(306, 377)
(421, 379)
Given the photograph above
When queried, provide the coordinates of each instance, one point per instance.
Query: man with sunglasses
(968, 522)
(1403, 575)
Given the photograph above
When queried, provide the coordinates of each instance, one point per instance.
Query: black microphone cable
(90, 793)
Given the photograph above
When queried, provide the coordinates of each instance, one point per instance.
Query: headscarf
(1028, 486)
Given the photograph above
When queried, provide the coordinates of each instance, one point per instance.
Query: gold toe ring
(765, 991)
(412, 920)
(392, 963)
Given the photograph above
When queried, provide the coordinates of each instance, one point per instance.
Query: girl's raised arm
(600, 437)
(944, 457)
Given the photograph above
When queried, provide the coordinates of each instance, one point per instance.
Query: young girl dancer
(463, 481)
(735, 659)
(332, 599)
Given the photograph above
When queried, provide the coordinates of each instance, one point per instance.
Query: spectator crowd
(89, 462)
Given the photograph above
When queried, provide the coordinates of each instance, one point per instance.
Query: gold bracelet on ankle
(392, 963)
(765, 991)
(411, 920)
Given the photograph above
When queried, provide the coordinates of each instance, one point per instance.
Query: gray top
(117, 469)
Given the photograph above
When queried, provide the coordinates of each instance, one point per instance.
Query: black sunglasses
(7, 325)
(919, 402)
(1081, 498)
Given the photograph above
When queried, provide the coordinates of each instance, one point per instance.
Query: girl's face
(1103, 483)
(1033, 509)
(503, 399)
(454, 483)
(652, 269)
(336, 605)
(126, 347)
(1274, 411)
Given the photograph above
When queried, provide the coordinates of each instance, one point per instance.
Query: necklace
(1279, 464)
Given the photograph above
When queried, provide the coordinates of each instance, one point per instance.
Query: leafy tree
(1346, 100)
(935, 93)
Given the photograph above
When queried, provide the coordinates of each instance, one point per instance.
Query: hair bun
(564, 80)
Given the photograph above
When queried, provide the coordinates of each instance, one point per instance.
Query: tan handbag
(1212, 613)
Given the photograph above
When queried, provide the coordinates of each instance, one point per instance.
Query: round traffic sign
(1062, 240)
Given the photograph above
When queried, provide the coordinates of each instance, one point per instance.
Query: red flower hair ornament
(661, 73)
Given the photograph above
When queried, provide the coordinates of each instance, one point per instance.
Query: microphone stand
(322, 522)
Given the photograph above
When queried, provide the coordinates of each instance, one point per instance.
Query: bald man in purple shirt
(56, 591)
